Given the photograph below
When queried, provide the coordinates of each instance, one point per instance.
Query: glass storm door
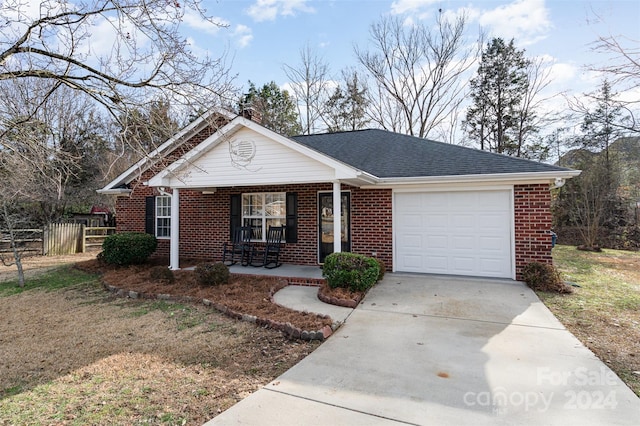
(325, 221)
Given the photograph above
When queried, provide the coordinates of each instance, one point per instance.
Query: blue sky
(262, 35)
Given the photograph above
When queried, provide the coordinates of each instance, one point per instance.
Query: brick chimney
(252, 114)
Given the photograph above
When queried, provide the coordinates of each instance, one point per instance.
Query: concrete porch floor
(284, 270)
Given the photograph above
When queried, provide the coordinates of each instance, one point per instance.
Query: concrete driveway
(444, 350)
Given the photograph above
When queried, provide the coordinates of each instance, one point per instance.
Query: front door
(325, 221)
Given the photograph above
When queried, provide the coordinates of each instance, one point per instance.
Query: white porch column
(174, 247)
(337, 212)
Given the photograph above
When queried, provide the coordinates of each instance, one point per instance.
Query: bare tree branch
(309, 82)
(622, 70)
(418, 72)
(141, 51)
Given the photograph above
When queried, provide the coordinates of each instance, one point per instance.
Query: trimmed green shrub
(212, 273)
(128, 248)
(352, 271)
(161, 273)
(544, 277)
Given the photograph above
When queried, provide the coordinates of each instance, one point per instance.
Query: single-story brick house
(417, 205)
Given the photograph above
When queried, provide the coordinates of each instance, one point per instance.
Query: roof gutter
(528, 177)
(114, 191)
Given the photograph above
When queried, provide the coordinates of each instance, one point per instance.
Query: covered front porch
(246, 175)
(307, 242)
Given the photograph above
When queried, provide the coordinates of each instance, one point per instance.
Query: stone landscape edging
(288, 329)
(345, 303)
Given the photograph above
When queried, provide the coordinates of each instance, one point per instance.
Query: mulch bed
(246, 297)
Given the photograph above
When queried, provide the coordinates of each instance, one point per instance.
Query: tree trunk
(18, 258)
(17, 255)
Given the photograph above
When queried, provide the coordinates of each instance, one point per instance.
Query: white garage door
(459, 233)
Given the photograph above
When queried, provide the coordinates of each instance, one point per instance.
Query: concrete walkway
(305, 299)
(440, 350)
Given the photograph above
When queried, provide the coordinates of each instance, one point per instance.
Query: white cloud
(243, 35)
(527, 21)
(268, 10)
(405, 6)
(563, 73)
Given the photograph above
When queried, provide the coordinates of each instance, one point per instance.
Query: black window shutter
(150, 215)
(235, 219)
(292, 217)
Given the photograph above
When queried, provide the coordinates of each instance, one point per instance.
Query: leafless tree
(589, 205)
(49, 156)
(623, 64)
(32, 175)
(622, 69)
(117, 52)
(62, 139)
(529, 121)
(419, 73)
(309, 82)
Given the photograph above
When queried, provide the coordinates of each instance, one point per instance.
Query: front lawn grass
(71, 353)
(604, 311)
(58, 278)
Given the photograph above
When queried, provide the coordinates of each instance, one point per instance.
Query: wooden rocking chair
(238, 250)
(269, 255)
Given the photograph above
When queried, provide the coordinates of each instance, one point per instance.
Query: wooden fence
(93, 236)
(58, 238)
(62, 238)
(27, 240)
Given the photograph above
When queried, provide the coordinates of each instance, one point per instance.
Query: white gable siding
(273, 163)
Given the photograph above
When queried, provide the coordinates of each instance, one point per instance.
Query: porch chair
(239, 249)
(269, 255)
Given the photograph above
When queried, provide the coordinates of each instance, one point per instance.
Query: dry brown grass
(604, 312)
(80, 356)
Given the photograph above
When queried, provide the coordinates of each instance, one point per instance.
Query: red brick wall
(532, 205)
(204, 221)
(130, 212)
(372, 224)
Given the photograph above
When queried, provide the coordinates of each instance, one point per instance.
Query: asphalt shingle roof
(392, 155)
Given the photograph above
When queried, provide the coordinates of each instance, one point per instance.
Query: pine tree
(276, 108)
(495, 116)
(600, 127)
(346, 108)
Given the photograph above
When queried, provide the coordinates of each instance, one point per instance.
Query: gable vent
(242, 151)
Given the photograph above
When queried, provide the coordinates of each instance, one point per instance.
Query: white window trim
(157, 216)
(263, 217)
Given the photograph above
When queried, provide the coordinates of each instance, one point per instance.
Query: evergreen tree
(495, 118)
(145, 129)
(346, 108)
(601, 126)
(276, 108)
